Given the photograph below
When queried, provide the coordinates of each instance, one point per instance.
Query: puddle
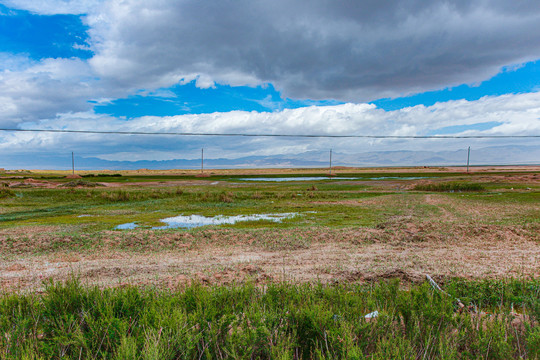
(397, 178)
(193, 221)
(307, 178)
(127, 226)
(84, 215)
(319, 178)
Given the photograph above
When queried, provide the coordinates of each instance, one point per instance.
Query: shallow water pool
(320, 178)
(127, 226)
(193, 221)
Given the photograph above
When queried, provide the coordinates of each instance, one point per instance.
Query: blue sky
(189, 99)
(42, 36)
(525, 78)
(111, 64)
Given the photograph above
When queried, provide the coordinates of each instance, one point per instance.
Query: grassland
(261, 289)
(279, 321)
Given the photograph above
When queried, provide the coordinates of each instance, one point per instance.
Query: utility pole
(330, 167)
(72, 164)
(468, 156)
(202, 160)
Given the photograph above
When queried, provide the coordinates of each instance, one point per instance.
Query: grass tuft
(82, 183)
(282, 320)
(450, 187)
(6, 193)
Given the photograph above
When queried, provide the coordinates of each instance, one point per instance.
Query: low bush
(6, 193)
(81, 183)
(450, 187)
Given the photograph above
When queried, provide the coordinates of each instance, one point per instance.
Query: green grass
(110, 207)
(279, 321)
(321, 203)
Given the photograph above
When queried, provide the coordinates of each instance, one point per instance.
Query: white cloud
(41, 90)
(53, 7)
(519, 115)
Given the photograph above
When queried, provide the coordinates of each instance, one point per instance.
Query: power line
(275, 135)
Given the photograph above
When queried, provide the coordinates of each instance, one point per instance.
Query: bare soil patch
(398, 249)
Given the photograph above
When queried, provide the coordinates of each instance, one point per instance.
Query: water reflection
(192, 221)
(319, 178)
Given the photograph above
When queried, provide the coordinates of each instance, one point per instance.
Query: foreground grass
(279, 321)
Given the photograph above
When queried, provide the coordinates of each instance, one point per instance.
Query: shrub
(6, 193)
(450, 187)
(82, 183)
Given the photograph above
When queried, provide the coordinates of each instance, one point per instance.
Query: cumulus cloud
(510, 115)
(347, 50)
(41, 90)
(321, 49)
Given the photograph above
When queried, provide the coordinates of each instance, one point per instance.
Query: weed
(227, 197)
(6, 193)
(282, 320)
(450, 187)
(81, 183)
(257, 196)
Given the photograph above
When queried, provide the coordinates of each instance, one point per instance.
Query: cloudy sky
(276, 67)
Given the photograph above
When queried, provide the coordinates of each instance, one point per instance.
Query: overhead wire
(273, 135)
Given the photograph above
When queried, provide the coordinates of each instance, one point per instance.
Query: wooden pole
(72, 164)
(330, 167)
(468, 157)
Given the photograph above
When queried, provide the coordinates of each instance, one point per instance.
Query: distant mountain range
(499, 155)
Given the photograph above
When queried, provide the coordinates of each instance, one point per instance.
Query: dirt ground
(400, 249)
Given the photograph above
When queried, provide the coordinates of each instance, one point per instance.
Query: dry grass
(328, 255)
(339, 170)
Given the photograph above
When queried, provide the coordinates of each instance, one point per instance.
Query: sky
(276, 67)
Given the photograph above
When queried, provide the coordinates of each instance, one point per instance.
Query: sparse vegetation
(450, 187)
(101, 175)
(80, 183)
(6, 193)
